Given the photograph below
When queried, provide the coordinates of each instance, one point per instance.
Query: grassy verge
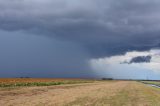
(151, 82)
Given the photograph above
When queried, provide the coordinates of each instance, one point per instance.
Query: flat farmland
(99, 93)
(14, 82)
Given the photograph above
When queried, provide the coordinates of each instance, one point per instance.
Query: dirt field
(109, 93)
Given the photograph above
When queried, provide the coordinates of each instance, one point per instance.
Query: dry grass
(109, 93)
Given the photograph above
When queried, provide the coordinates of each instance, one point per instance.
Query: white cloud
(113, 66)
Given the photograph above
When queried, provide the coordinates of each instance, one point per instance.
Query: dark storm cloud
(103, 27)
(38, 56)
(141, 59)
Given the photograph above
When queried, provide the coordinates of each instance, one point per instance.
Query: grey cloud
(141, 59)
(138, 59)
(103, 28)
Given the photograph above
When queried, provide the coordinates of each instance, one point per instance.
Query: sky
(80, 39)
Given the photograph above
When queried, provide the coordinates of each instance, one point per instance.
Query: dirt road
(111, 93)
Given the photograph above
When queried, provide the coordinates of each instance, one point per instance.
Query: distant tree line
(107, 78)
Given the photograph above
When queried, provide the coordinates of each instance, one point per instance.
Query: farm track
(109, 93)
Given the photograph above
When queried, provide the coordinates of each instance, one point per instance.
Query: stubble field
(96, 93)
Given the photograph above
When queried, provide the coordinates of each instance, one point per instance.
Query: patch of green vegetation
(43, 83)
